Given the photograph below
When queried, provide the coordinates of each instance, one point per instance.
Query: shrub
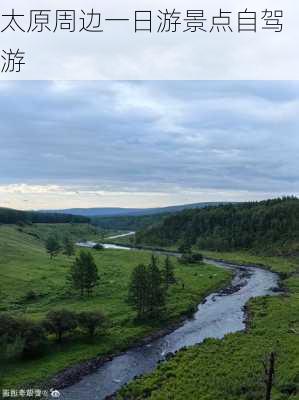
(60, 322)
(191, 258)
(91, 321)
(34, 338)
(31, 295)
(9, 327)
(98, 246)
(10, 348)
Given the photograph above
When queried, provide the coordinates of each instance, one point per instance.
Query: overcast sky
(144, 144)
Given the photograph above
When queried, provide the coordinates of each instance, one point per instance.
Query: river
(220, 313)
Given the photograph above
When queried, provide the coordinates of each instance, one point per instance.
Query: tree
(60, 322)
(156, 289)
(84, 273)
(138, 290)
(9, 326)
(98, 246)
(191, 258)
(185, 247)
(168, 272)
(34, 338)
(69, 248)
(21, 336)
(53, 246)
(147, 290)
(11, 343)
(91, 321)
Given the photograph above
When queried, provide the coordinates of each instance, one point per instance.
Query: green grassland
(231, 369)
(25, 266)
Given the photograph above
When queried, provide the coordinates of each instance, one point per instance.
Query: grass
(231, 369)
(25, 266)
(282, 265)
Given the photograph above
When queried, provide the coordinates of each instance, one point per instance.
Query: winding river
(220, 313)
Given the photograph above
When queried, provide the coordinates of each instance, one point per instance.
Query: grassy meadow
(25, 266)
(232, 369)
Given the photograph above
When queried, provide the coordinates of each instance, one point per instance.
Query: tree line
(11, 216)
(147, 294)
(271, 225)
(28, 338)
(54, 246)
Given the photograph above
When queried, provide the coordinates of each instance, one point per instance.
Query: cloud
(132, 143)
(24, 188)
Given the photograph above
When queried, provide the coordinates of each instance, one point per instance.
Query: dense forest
(271, 225)
(137, 222)
(130, 223)
(10, 216)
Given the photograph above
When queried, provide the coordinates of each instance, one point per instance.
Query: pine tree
(84, 273)
(138, 291)
(69, 248)
(91, 273)
(53, 246)
(168, 272)
(156, 289)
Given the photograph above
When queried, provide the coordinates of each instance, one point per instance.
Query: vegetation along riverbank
(34, 283)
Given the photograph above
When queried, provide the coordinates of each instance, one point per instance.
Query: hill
(127, 223)
(11, 216)
(117, 212)
(32, 284)
(271, 225)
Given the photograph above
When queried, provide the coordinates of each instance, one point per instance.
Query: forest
(127, 222)
(270, 226)
(11, 216)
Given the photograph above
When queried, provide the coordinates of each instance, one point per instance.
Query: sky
(146, 143)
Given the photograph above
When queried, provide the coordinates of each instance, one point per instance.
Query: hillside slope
(271, 226)
(24, 263)
(11, 216)
(25, 267)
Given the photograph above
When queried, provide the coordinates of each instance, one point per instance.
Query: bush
(10, 348)
(191, 258)
(184, 248)
(289, 389)
(98, 246)
(9, 327)
(31, 295)
(34, 338)
(60, 322)
(91, 321)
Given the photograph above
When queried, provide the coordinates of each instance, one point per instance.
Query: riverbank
(110, 298)
(75, 373)
(218, 315)
(231, 369)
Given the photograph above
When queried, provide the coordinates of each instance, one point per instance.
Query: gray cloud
(238, 138)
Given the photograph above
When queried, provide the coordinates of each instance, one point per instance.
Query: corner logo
(55, 394)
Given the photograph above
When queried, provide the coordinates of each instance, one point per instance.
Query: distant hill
(11, 216)
(271, 225)
(120, 212)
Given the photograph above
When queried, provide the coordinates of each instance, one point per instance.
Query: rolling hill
(11, 216)
(271, 225)
(117, 212)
